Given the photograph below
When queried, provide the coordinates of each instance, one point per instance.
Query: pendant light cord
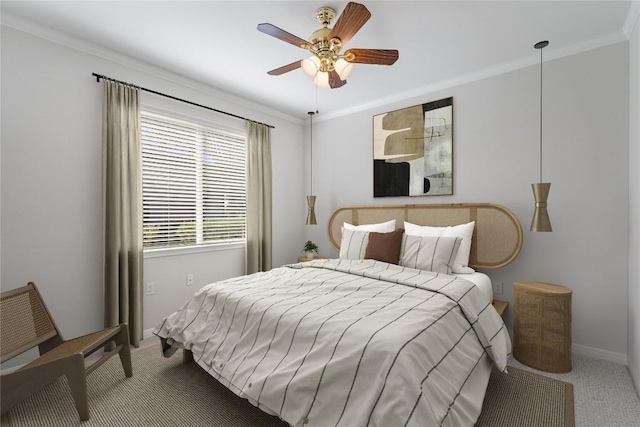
(311, 113)
(540, 114)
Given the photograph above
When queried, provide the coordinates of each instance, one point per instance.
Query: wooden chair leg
(21, 384)
(125, 352)
(76, 376)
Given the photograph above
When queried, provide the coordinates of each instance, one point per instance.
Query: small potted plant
(310, 249)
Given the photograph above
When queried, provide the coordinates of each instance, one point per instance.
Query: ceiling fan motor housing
(326, 50)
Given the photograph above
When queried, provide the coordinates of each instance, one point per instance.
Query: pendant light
(311, 199)
(540, 221)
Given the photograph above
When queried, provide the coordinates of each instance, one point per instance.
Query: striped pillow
(461, 263)
(353, 244)
(429, 253)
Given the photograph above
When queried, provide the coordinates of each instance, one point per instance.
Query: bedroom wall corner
(634, 205)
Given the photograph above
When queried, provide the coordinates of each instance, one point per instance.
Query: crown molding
(632, 18)
(505, 67)
(12, 21)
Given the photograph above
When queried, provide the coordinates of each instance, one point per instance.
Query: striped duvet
(347, 343)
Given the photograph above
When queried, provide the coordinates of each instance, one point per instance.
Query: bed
(355, 341)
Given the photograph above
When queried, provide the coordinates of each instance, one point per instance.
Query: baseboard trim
(147, 333)
(598, 353)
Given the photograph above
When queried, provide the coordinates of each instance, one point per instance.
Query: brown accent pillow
(385, 246)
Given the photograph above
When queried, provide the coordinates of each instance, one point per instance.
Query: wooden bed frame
(497, 235)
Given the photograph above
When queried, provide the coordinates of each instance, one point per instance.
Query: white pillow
(353, 244)
(465, 231)
(431, 253)
(383, 227)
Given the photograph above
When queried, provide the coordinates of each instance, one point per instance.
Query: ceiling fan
(327, 65)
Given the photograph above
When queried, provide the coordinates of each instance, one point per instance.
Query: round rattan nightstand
(542, 326)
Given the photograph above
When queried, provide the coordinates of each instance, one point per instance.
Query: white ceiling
(441, 43)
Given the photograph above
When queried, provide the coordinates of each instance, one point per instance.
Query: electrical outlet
(497, 287)
(189, 279)
(151, 288)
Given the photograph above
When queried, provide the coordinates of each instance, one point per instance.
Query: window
(193, 183)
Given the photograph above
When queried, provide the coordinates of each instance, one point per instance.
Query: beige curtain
(258, 250)
(122, 207)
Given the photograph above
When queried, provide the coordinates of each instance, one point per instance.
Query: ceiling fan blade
(335, 81)
(372, 56)
(352, 19)
(285, 68)
(281, 34)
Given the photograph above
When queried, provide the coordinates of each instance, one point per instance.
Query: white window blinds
(193, 183)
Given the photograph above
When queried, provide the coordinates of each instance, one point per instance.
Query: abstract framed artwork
(413, 151)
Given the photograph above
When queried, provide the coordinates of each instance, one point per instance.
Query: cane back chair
(25, 322)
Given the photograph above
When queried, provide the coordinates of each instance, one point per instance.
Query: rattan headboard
(497, 236)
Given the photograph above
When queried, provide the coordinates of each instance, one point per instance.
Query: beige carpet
(166, 392)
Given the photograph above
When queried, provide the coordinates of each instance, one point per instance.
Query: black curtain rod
(100, 76)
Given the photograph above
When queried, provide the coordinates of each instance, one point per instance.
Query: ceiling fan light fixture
(343, 68)
(328, 66)
(322, 79)
(310, 65)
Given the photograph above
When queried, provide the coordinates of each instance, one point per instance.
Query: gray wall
(634, 206)
(51, 180)
(496, 152)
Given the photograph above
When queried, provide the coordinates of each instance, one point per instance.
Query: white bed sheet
(481, 280)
